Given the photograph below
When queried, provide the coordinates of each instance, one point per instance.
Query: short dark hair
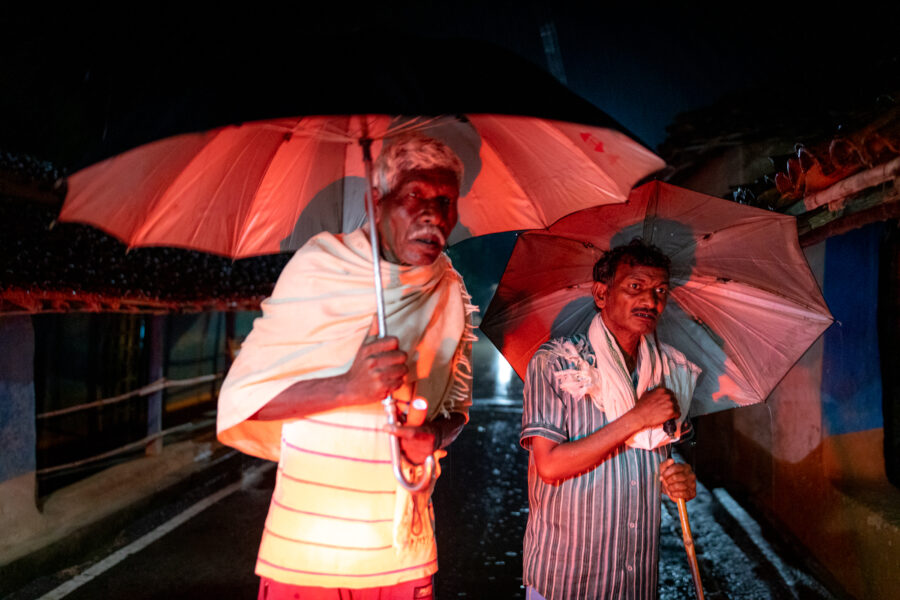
(635, 252)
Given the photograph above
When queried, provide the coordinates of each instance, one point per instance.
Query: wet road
(481, 508)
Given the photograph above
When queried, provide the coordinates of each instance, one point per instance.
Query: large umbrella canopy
(744, 305)
(266, 186)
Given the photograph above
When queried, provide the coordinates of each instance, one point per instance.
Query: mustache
(428, 231)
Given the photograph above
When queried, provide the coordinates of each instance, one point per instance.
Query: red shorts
(417, 589)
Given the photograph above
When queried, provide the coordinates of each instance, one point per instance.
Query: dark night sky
(642, 63)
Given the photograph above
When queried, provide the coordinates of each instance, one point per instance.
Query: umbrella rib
(719, 231)
(500, 158)
(240, 232)
(582, 151)
(708, 280)
(231, 166)
(147, 225)
(346, 140)
(327, 132)
(793, 307)
(417, 124)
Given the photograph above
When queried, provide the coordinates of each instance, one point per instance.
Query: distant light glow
(504, 375)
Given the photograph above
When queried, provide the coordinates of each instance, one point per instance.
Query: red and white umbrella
(266, 186)
(743, 306)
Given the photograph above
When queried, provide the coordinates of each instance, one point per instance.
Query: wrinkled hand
(417, 443)
(678, 480)
(656, 407)
(378, 369)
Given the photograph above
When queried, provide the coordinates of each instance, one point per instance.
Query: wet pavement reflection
(481, 508)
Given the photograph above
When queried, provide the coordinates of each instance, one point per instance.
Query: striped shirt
(331, 519)
(595, 535)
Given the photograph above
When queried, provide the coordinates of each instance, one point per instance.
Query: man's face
(415, 219)
(632, 304)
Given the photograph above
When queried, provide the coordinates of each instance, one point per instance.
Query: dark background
(82, 82)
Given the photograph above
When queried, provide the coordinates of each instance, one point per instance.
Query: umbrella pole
(689, 547)
(669, 427)
(366, 144)
(390, 405)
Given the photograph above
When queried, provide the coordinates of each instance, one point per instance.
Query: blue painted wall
(17, 430)
(851, 372)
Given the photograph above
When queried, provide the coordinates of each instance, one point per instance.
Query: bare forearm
(305, 398)
(556, 462)
(377, 370)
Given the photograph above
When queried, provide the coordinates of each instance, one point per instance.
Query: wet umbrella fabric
(267, 186)
(743, 305)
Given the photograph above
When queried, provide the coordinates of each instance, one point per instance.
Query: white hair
(410, 152)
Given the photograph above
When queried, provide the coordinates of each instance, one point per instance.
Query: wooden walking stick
(670, 427)
(689, 547)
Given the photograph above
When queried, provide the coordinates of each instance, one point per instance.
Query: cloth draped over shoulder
(338, 517)
(610, 386)
(321, 311)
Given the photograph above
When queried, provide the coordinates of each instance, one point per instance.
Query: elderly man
(305, 390)
(594, 407)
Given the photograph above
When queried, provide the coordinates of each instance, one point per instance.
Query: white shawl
(321, 310)
(610, 387)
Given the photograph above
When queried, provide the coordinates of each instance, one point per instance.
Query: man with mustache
(592, 421)
(307, 386)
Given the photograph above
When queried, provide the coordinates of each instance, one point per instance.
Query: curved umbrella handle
(390, 408)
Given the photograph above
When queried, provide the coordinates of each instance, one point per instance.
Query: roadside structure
(110, 363)
(821, 459)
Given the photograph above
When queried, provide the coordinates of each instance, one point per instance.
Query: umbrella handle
(390, 408)
(689, 547)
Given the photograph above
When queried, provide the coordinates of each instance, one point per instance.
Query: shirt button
(630, 569)
(633, 482)
(631, 525)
